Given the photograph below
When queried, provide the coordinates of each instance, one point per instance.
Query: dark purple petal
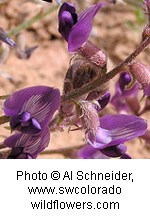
(17, 153)
(66, 6)
(104, 100)
(117, 129)
(82, 29)
(114, 151)
(39, 102)
(124, 80)
(30, 145)
(67, 18)
(125, 156)
(65, 25)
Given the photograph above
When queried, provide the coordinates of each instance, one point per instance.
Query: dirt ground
(115, 30)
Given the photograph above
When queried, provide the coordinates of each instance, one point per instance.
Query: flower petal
(82, 29)
(40, 102)
(120, 128)
(88, 152)
(30, 144)
(67, 18)
(114, 151)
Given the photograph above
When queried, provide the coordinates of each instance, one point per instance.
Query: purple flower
(76, 29)
(25, 146)
(114, 130)
(104, 100)
(4, 37)
(117, 129)
(31, 109)
(125, 99)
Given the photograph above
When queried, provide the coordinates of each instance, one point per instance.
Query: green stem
(34, 19)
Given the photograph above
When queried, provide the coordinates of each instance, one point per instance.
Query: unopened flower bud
(104, 100)
(142, 74)
(124, 80)
(93, 54)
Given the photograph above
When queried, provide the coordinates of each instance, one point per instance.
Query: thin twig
(34, 19)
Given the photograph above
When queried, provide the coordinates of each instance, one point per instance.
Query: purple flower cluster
(30, 111)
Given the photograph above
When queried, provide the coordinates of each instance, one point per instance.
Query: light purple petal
(25, 116)
(82, 29)
(120, 128)
(36, 124)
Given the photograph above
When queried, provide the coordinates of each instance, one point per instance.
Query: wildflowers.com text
(75, 189)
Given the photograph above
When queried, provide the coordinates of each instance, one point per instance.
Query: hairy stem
(34, 19)
(100, 81)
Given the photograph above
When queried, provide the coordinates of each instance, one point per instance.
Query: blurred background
(116, 29)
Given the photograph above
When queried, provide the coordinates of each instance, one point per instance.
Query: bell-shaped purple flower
(76, 29)
(117, 129)
(25, 146)
(31, 109)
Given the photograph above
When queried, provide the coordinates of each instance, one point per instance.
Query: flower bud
(142, 74)
(93, 54)
(67, 19)
(124, 80)
(104, 100)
